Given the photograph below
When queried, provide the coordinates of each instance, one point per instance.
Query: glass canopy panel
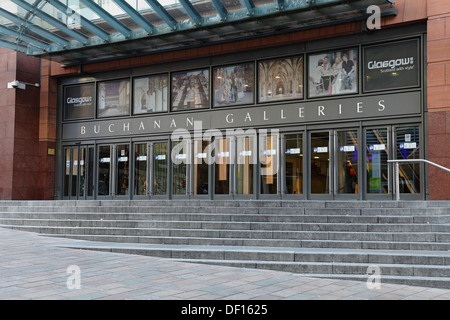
(158, 24)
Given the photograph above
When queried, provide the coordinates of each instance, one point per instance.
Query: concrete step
(229, 225)
(406, 239)
(235, 210)
(286, 254)
(248, 234)
(349, 244)
(441, 219)
(418, 267)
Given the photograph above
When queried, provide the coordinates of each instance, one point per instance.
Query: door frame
(89, 168)
(318, 196)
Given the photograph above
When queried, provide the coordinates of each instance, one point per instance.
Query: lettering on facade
(300, 113)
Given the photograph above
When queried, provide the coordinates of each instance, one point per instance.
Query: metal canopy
(82, 31)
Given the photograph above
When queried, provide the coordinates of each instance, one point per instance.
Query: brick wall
(19, 127)
(438, 51)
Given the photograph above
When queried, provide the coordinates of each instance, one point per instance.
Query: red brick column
(47, 131)
(438, 51)
(19, 127)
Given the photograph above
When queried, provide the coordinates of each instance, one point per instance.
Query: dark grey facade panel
(356, 108)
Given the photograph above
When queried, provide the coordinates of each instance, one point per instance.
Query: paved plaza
(35, 267)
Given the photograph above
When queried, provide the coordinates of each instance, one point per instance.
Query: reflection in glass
(67, 163)
(104, 167)
(347, 162)
(123, 169)
(82, 176)
(245, 165)
(90, 174)
(294, 164)
(160, 158)
(201, 168)
(408, 139)
(320, 163)
(269, 164)
(140, 169)
(179, 167)
(222, 166)
(376, 160)
(74, 172)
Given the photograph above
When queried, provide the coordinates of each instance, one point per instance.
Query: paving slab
(36, 267)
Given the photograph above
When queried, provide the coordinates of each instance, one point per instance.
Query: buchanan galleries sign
(273, 115)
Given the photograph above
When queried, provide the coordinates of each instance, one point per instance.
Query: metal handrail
(396, 171)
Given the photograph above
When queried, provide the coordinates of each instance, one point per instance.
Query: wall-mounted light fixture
(16, 84)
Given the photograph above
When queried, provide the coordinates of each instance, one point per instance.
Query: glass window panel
(190, 90)
(280, 79)
(234, 85)
(113, 98)
(150, 94)
(333, 73)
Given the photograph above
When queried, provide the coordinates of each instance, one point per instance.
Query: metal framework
(38, 27)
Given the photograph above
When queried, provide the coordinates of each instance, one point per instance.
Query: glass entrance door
(408, 148)
(140, 169)
(346, 158)
(78, 172)
(377, 155)
(160, 167)
(320, 163)
(122, 170)
(269, 165)
(180, 158)
(104, 171)
(201, 168)
(223, 159)
(245, 166)
(293, 164)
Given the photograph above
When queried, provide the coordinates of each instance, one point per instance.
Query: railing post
(397, 182)
(397, 173)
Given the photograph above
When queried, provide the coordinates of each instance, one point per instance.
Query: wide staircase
(408, 242)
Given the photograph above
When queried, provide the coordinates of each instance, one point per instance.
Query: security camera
(15, 84)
